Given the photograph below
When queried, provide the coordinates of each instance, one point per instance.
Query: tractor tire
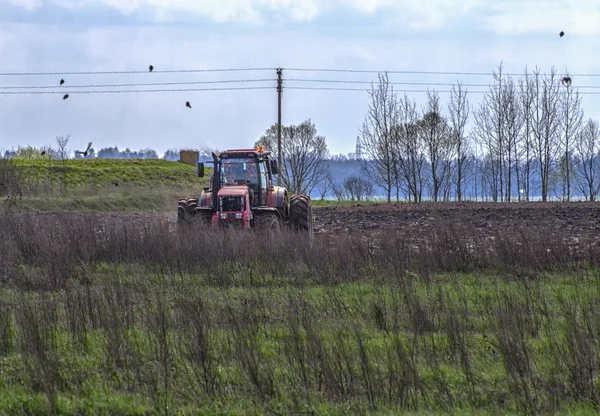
(186, 210)
(204, 217)
(268, 222)
(301, 218)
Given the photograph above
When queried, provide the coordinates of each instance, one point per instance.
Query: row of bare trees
(526, 139)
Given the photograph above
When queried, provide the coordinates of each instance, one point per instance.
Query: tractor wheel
(204, 217)
(267, 223)
(301, 213)
(186, 209)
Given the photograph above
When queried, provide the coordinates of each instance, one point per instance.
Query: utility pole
(279, 88)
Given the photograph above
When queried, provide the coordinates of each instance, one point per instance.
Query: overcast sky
(128, 35)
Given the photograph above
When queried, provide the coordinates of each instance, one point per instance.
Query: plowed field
(567, 219)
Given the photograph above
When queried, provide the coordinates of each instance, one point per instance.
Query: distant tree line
(31, 152)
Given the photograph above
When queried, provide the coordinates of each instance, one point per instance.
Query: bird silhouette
(84, 153)
(62, 81)
(43, 152)
(151, 68)
(566, 80)
(561, 33)
(66, 96)
(188, 105)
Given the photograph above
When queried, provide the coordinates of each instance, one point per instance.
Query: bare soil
(575, 223)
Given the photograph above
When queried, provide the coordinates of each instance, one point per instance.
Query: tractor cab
(248, 173)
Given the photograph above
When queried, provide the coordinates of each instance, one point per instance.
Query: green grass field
(138, 345)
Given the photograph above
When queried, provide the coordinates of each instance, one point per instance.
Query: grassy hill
(103, 185)
(89, 173)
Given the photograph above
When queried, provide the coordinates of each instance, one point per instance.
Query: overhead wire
(400, 90)
(66, 91)
(446, 84)
(167, 71)
(414, 72)
(230, 81)
(32, 91)
(337, 70)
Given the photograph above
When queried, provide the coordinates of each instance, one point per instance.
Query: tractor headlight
(238, 215)
(223, 215)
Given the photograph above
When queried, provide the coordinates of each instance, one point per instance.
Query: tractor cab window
(264, 175)
(233, 170)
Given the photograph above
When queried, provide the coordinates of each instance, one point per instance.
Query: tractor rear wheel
(186, 209)
(301, 213)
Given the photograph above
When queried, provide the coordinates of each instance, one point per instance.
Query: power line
(139, 84)
(333, 81)
(338, 70)
(371, 71)
(419, 91)
(133, 91)
(172, 71)
(66, 91)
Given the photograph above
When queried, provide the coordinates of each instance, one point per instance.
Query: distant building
(358, 153)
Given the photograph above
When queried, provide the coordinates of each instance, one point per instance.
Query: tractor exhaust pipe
(216, 182)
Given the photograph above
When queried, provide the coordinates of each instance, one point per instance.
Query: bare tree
(358, 188)
(303, 155)
(377, 137)
(458, 108)
(527, 95)
(513, 123)
(409, 150)
(572, 120)
(62, 150)
(436, 138)
(338, 191)
(326, 185)
(546, 125)
(588, 169)
(490, 134)
(63, 154)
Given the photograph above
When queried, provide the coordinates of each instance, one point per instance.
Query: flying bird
(151, 68)
(62, 81)
(566, 81)
(66, 96)
(84, 153)
(561, 33)
(188, 105)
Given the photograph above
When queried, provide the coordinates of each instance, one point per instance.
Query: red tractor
(242, 195)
